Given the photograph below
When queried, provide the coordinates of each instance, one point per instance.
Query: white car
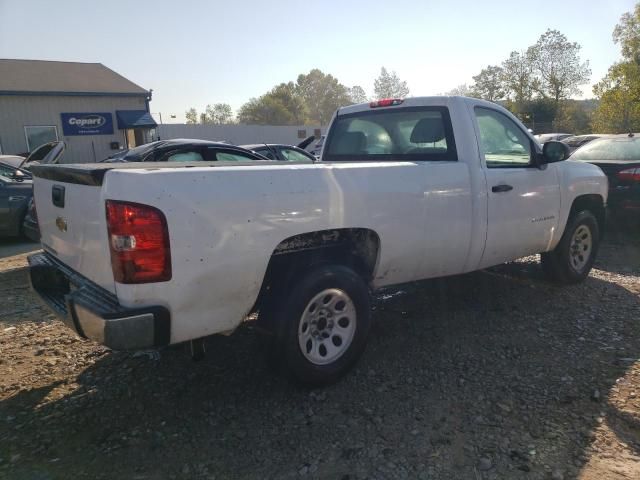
(144, 255)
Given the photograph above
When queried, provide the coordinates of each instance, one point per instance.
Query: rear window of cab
(407, 134)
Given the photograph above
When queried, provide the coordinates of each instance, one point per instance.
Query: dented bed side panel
(224, 225)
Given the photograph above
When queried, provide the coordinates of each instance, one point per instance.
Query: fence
(240, 134)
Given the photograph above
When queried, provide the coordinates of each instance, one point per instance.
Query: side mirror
(553, 152)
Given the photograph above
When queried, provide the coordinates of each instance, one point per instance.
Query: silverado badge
(61, 223)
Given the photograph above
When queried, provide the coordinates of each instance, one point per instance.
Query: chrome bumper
(93, 312)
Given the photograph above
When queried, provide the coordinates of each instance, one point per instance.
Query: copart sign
(87, 123)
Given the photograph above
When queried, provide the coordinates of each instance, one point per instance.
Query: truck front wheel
(573, 257)
(323, 324)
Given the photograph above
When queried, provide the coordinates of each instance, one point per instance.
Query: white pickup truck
(144, 255)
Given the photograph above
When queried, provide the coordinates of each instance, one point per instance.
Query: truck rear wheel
(573, 257)
(323, 324)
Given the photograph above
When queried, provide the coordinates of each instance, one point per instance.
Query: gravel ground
(492, 375)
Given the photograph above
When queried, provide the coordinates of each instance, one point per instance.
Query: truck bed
(93, 173)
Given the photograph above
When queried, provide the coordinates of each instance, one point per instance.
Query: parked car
(30, 227)
(16, 200)
(619, 158)
(15, 192)
(12, 160)
(185, 150)
(274, 151)
(410, 189)
(576, 141)
(46, 153)
(547, 137)
(317, 148)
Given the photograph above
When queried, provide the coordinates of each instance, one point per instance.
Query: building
(93, 109)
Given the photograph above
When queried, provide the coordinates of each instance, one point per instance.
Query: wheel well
(593, 203)
(356, 248)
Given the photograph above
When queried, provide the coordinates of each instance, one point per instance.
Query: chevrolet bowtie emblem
(61, 223)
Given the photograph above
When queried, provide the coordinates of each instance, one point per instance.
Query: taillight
(387, 102)
(630, 175)
(139, 243)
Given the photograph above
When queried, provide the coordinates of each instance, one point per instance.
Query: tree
(192, 116)
(219, 114)
(619, 95)
(557, 66)
(461, 90)
(265, 110)
(489, 84)
(388, 85)
(573, 116)
(357, 94)
(322, 94)
(517, 77)
(619, 91)
(627, 34)
(289, 96)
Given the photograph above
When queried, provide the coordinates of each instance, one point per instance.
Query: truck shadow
(494, 373)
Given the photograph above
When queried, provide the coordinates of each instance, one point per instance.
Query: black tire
(288, 319)
(558, 264)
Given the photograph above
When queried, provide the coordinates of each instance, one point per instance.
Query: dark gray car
(16, 190)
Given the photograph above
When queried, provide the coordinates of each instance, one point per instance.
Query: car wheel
(573, 257)
(323, 324)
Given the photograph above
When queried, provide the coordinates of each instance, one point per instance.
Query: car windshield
(7, 172)
(627, 149)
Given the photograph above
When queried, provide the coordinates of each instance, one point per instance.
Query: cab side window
(184, 156)
(502, 142)
(265, 152)
(292, 155)
(232, 156)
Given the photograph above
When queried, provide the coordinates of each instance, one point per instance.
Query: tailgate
(73, 227)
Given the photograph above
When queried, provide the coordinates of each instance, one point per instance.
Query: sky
(193, 53)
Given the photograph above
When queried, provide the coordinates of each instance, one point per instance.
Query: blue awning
(135, 119)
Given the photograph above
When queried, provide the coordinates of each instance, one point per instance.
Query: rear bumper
(624, 200)
(93, 312)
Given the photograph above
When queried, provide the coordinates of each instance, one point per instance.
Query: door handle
(501, 188)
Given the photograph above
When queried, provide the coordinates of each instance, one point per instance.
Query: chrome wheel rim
(581, 247)
(327, 326)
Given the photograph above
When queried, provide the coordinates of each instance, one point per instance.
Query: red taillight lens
(630, 175)
(387, 102)
(139, 243)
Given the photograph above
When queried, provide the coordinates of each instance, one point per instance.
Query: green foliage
(573, 116)
(619, 90)
(517, 77)
(619, 94)
(627, 34)
(462, 90)
(312, 99)
(322, 94)
(357, 94)
(556, 66)
(265, 110)
(219, 114)
(388, 85)
(489, 84)
(192, 116)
